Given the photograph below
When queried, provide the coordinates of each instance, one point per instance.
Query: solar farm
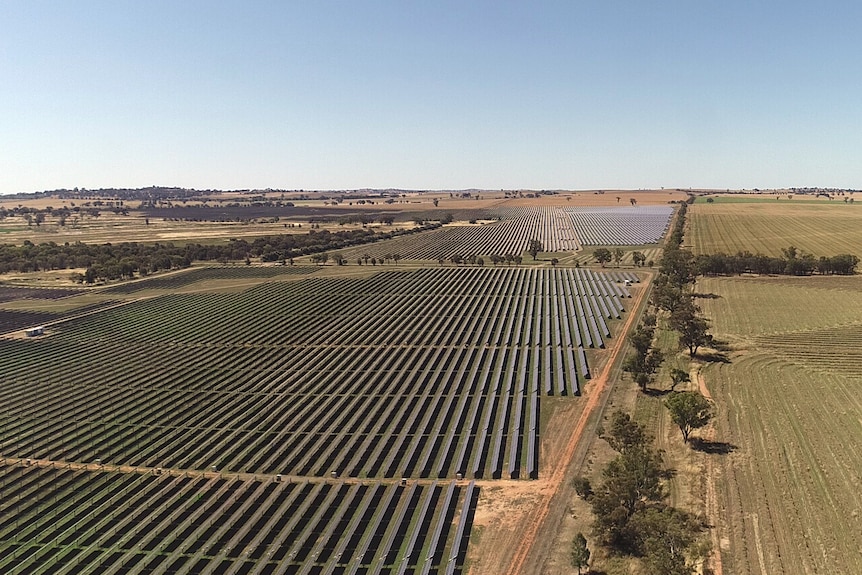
(377, 398)
(294, 419)
(558, 229)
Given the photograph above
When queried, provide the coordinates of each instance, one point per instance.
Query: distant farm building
(35, 331)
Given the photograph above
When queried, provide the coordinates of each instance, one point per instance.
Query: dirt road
(529, 554)
(711, 496)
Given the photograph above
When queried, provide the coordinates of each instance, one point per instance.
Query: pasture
(788, 401)
(821, 228)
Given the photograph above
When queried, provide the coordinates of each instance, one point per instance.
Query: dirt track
(711, 496)
(520, 545)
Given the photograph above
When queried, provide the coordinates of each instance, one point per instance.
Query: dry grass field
(820, 228)
(789, 404)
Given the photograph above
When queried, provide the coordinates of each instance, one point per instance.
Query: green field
(789, 402)
(820, 228)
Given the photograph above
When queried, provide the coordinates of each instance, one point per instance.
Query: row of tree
(125, 260)
(673, 290)
(793, 262)
(604, 255)
(631, 513)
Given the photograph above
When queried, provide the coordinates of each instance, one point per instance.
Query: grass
(791, 492)
(820, 228)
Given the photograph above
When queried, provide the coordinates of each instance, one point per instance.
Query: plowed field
(790, 400)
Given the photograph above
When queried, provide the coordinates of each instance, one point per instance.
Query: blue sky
(430, 95)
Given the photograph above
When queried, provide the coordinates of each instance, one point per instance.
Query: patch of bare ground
(585, 198)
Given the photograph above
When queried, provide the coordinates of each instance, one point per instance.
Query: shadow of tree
(656, 392)
(720, 345)
(712, 357)
(712, 447)
(706, 295)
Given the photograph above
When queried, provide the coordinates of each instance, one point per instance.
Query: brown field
(820, 228)
(788, 402)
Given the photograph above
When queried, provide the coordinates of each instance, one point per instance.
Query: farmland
(819, 228)
(788, 401)
(339, 385)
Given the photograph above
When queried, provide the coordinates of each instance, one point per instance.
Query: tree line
(632, 516)
(125, 260)
(792, 262)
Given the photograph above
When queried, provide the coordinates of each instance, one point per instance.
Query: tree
(638, 258)
(625, 433)
(645, 361)
(666, 296)
(554, 262)
(689, 410)
(631, 481)
(602, 255)
(580, 555)
(679, 266)
(534, 247)
(665, 537)
(618, 256)
(322, 258)
(633, 201)
(678, 376)
(692, 328)
(582, 486)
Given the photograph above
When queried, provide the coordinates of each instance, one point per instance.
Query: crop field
(822, 229)
(267, 431)
(789, 404)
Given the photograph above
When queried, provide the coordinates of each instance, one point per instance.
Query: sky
(323, 94)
